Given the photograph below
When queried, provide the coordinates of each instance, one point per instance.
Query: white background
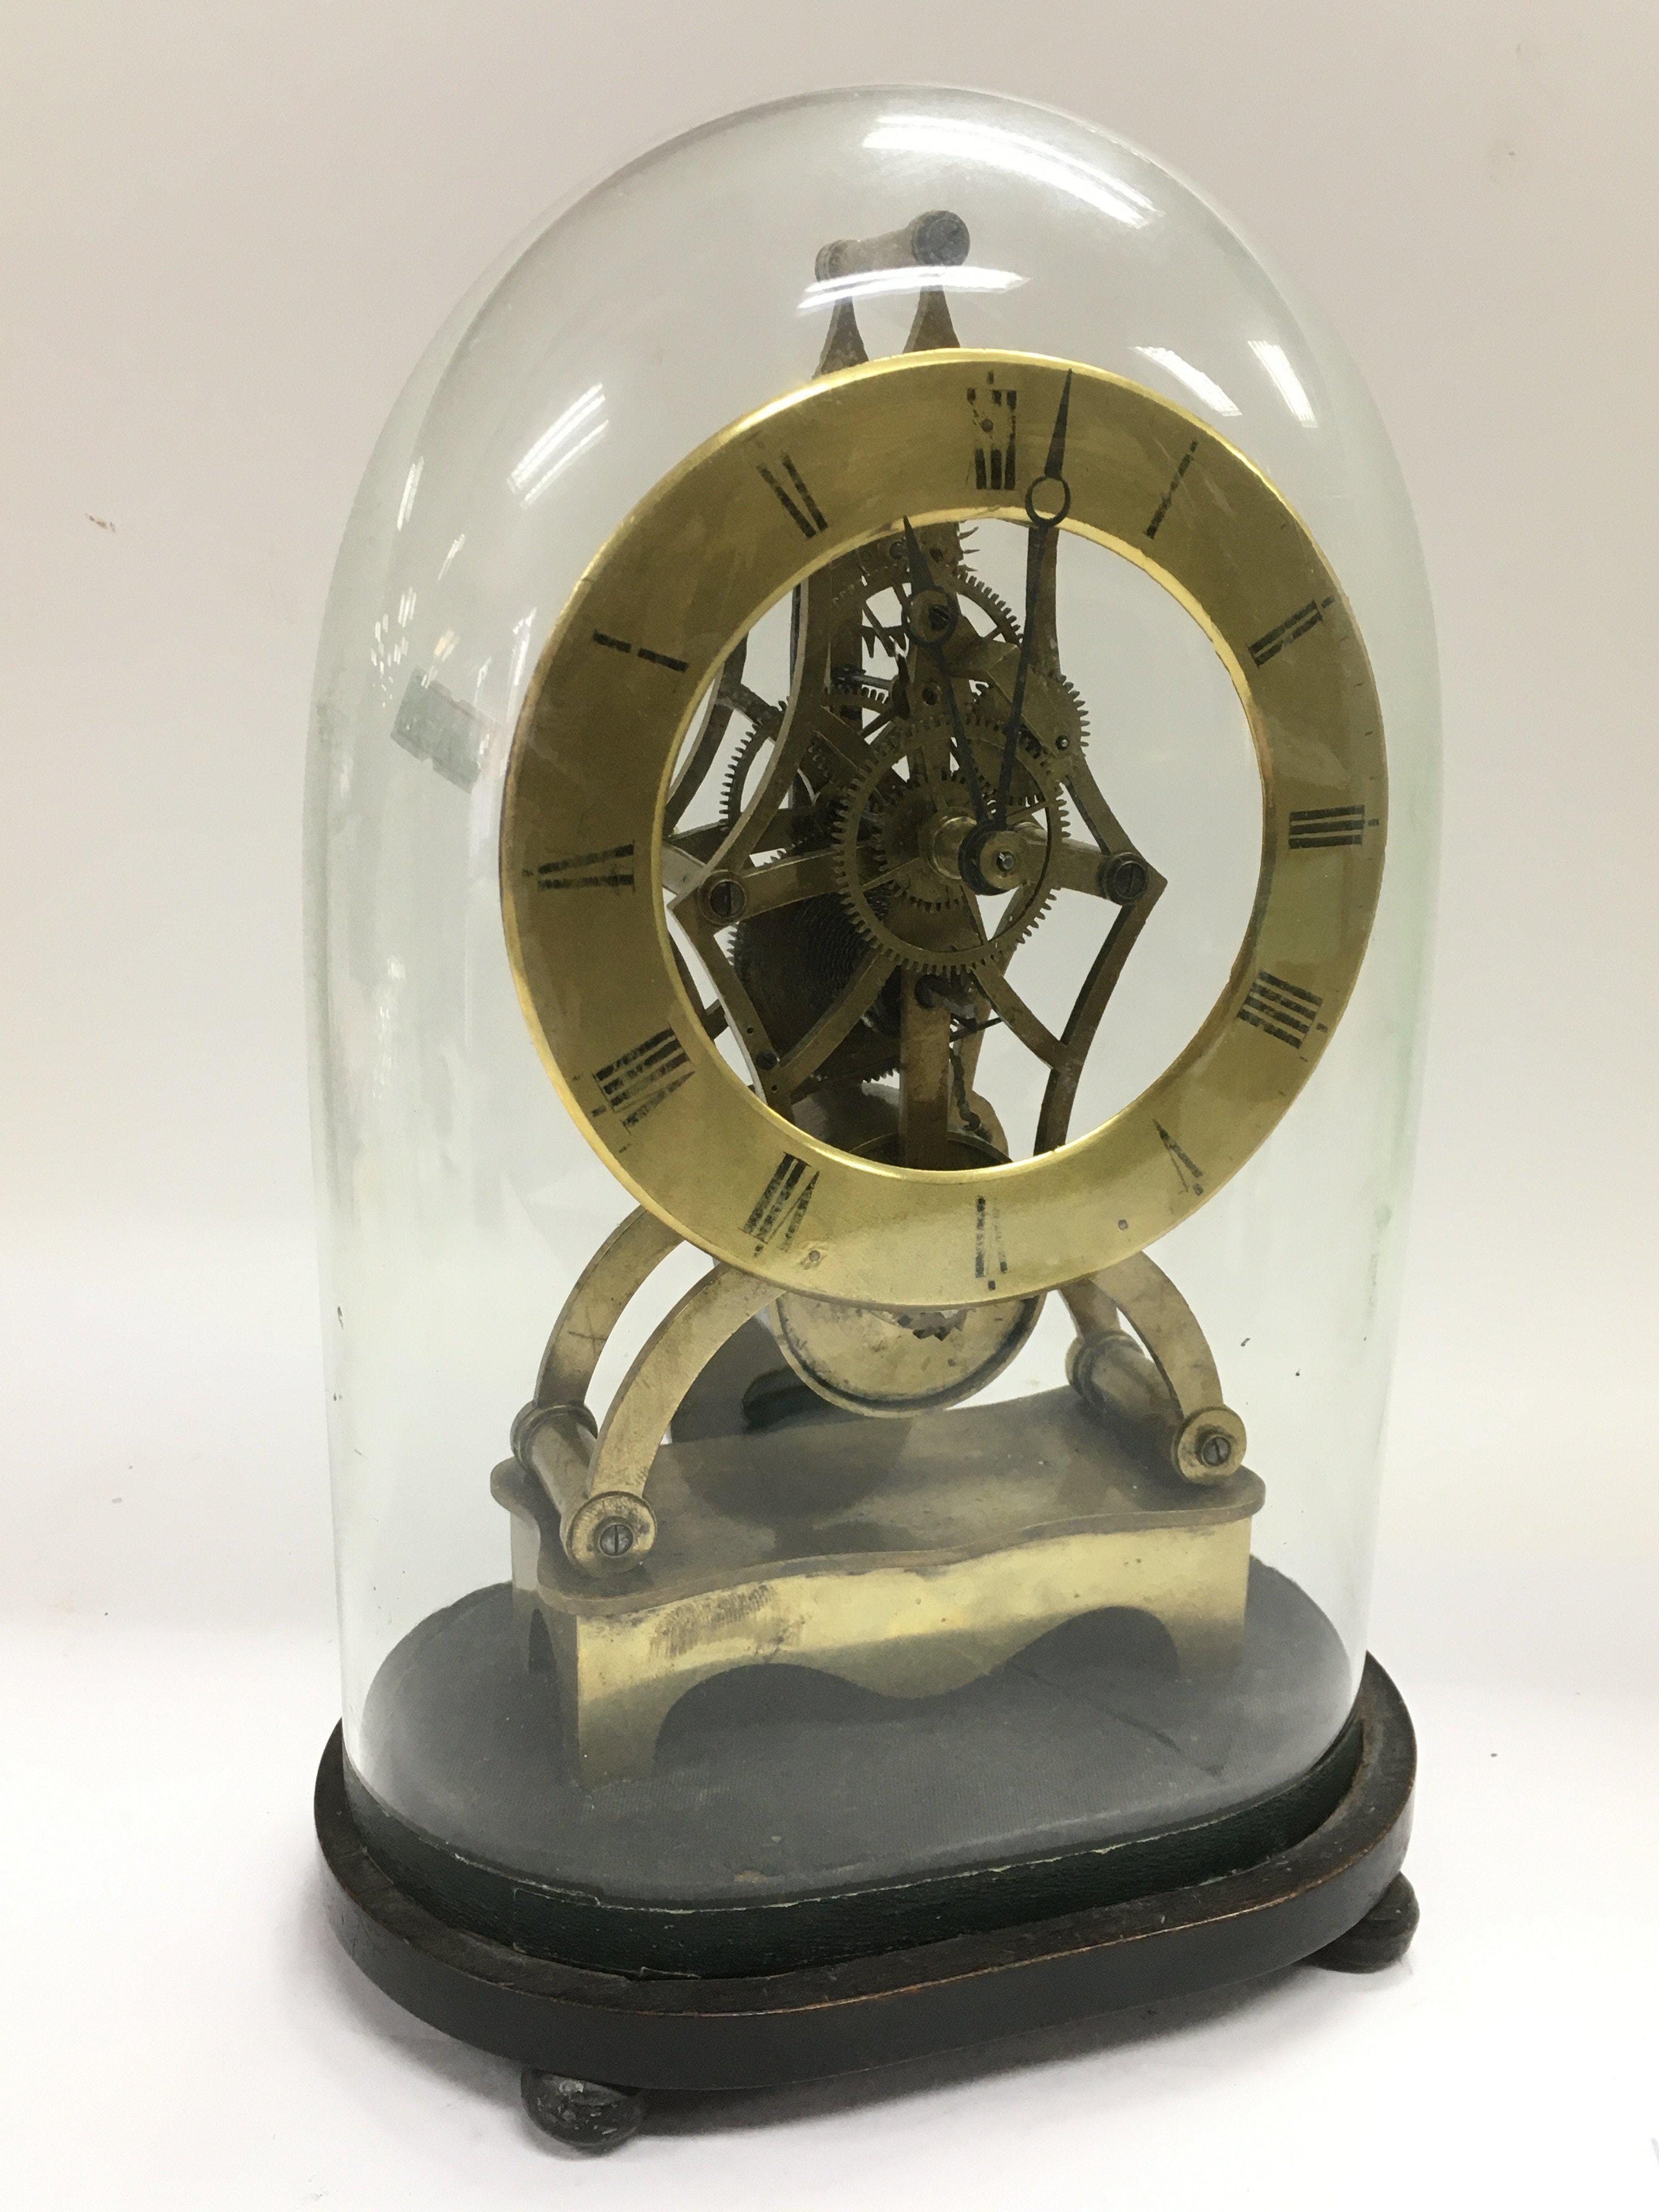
(228, 230)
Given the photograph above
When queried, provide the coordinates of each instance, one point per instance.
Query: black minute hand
(1046, 504)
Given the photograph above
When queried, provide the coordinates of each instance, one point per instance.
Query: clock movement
(872, 814)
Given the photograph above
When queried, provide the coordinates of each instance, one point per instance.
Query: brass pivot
(1169, 1391)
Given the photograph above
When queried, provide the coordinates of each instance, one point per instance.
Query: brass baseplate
(910, 1557)
(908, 1554)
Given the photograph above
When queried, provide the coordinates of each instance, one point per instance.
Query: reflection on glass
(1202, 386)
(554, 451)
(989, 147)
(1277, 363)
(872, 283)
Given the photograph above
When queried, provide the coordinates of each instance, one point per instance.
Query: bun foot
(1384, 1935)
(589, 2116)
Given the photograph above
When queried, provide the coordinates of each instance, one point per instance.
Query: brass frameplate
(910, 1557)
(690, 573)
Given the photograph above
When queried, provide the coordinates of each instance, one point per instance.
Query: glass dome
(870, 831)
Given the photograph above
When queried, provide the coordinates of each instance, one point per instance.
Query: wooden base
(754, 2030)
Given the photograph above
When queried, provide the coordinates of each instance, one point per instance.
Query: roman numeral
(1274, 641)
(990, 1254)
(585, 872)
(1168, 499)
(801, 509)
(777, 1213)
(1284, 1010)
(1189, 1173)
(642, 652)
(993, 409)
(1312, 827)
(636, 1082)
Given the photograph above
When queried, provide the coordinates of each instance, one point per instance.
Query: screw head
(990, 862)
(1214, 1448)
(1124, 879)
(766, 1062)
(614, 1539)
(930, 616)
(723, 898)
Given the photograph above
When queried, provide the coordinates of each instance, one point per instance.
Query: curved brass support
(553, 1438)
(615, 1527)
(1169, 1328)
(1172, 1389)
(628, 1254)
(597, 1484)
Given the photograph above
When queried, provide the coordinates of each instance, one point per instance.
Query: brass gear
(893, 837)
(931, 923)
(848, 688)
(880, 569)
(1079, 710)
(979, 593)
(1054, 713)
(735, 782)
(815, 775)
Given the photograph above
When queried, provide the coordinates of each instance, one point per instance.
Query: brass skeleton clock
(840, 883)
(890, 1557)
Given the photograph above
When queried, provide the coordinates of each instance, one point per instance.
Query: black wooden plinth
(764, 2030)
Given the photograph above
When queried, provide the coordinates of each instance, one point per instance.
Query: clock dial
(848, 924)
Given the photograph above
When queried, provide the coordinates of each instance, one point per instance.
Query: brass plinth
(910, 1557)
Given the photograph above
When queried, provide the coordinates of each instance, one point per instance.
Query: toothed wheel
(734, 785)
(1069, 717)
(1055, 719)
(979, 593)
(898, 828)
(900, 836)
(881, 570)
(816, 774)
(852, 688)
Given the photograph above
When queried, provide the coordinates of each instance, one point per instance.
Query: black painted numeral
(642, 652)
(1187, 1171)
(990, 1254)
(613, 869)
(1274, 641)
(1168, 499)
(1314, 827)
(776, 1215)
(636, 1082)
(1284, 1010)
(798, 505)
(994, 408)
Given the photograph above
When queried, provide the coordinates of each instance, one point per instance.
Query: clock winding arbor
(761, 943)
